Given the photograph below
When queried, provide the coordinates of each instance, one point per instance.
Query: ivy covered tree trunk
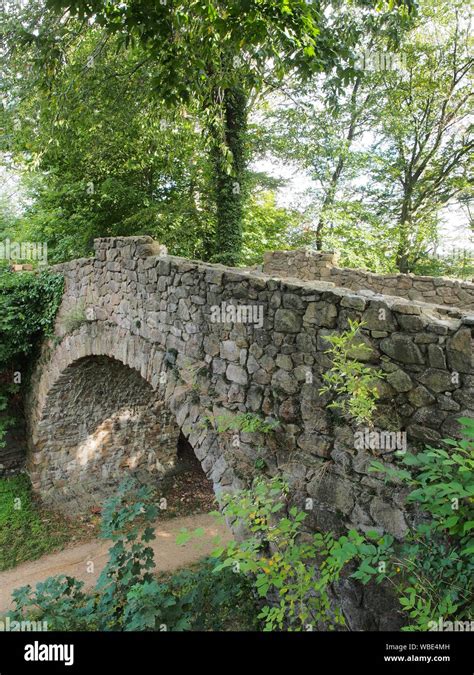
(229, 168)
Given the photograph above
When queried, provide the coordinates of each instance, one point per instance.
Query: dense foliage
(125, 119)
(28, 306)
(433, 569)
(387, 153)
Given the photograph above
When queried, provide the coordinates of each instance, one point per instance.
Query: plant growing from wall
(192, 374)
(74, 318)
(351, 381)
(292, 571)
(433, 569)
(170, 358)
(245, 422)
(249, 423)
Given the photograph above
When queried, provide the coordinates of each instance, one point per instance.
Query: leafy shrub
(433, 569)
(59, 601)
(28, 307)
(290, 570)
(127, 521)
(213, 599)
(128, 596)
(349, 379)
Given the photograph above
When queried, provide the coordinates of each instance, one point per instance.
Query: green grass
(28, 531)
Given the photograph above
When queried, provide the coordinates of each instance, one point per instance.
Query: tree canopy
(214, 54)
(148, 117)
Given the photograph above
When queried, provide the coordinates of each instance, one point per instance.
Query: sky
(454, 229)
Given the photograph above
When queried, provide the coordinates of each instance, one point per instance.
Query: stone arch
(103, 402)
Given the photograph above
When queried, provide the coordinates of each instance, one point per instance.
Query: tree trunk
(229, 168)
(334, 182)
(402, 261)
(403, 249)
(327, 203)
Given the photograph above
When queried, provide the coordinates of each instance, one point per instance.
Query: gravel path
(75, 561)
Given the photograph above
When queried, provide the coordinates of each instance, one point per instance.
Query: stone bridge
(149, 346)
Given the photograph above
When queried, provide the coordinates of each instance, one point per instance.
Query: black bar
(217, 653)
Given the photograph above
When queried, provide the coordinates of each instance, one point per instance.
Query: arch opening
(186, 487)
(101, 421)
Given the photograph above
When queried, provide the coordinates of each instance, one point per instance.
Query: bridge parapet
(114, 248)
(313, 265)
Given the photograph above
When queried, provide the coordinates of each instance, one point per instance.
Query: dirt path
(75, 561)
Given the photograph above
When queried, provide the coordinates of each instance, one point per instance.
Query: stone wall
(211, 340)
(313, 265)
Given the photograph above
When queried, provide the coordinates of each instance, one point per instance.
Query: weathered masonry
(164, 345)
